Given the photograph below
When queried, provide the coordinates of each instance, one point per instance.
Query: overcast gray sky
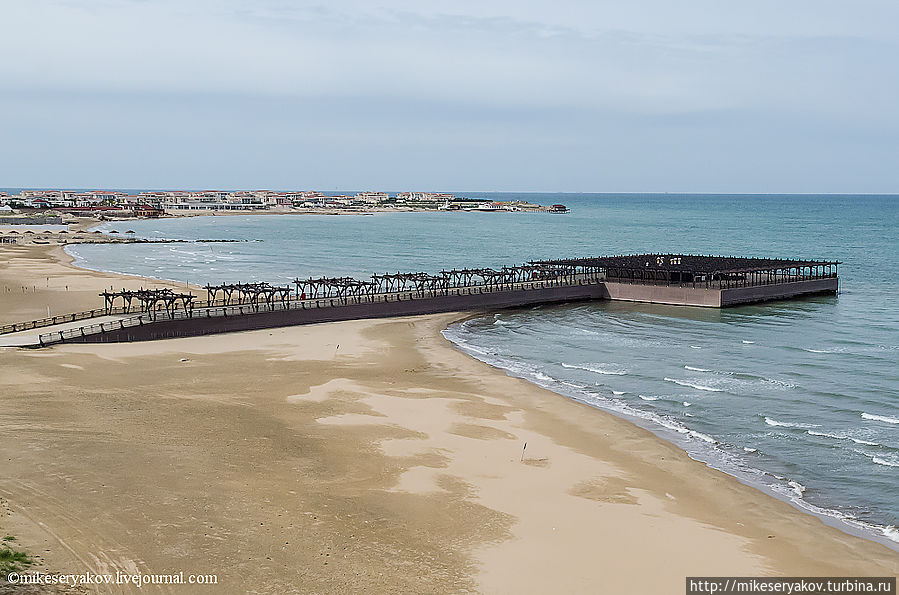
(568, 95)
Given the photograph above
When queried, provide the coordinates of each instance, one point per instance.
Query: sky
(764, 96)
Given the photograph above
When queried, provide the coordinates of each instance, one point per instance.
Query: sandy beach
(37, 279)
(355, 456)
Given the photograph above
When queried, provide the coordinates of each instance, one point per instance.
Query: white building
(424, 197)
(372, 197)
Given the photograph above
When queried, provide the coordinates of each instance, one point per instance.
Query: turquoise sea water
(800, 398)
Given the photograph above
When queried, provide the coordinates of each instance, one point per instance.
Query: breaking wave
(787, 424)
(885, 462)
(883, 418)
(693, 385)
(598, 369)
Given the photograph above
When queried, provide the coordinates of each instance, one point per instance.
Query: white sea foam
(686, 404)
(703, 437)
(542, 376)
(601, 369)
(817, 350)
(826, 435)
(890, 532)
(692, 369)
(885, 462)
(747, 449)
(695, 347)
(645, 398)
(779, 383)
(839, 437)
(883, 418)
(860, 441)
(797, 487)
(619, 392)
(748, 342)
(786, 424)
(693, 385)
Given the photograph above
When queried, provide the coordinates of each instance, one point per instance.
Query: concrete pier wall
(764, 293)
(663, 294)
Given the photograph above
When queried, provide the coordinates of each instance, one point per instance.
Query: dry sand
(358, 456)
(33, 278)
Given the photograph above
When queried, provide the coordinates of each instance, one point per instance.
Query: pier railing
(309, 304)
(63, 318)
(98, 313)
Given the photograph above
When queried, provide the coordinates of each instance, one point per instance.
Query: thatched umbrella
(113, 231)
(130, 231)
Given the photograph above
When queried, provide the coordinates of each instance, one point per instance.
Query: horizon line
(603, 192)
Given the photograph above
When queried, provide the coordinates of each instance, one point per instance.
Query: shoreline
(830, 517)
(395, 422)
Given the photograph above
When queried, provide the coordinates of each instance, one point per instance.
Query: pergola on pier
(149, 300)
(246, 293)
(696, 270)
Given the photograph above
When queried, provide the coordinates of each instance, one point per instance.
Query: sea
(798, 398)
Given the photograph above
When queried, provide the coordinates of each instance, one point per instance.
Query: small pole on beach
(522, 452)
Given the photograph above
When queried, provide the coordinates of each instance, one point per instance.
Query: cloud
(532, 80)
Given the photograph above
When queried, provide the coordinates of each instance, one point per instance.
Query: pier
(685, 280)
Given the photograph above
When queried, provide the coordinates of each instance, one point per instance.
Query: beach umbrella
(113, 231)
(130, 231)
(28, 231)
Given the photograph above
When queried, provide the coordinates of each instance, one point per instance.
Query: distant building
(46, 194)
(197, 205)
(424, 197)
(372, 197)
(148, 211)
(213, 194)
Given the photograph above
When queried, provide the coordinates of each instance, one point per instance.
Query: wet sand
(361, 455)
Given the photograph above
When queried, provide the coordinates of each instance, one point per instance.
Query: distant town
(118, 204)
